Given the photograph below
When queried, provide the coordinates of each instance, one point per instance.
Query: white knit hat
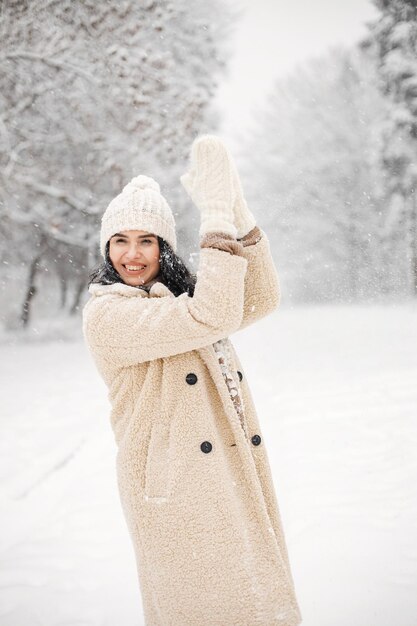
(140, 206)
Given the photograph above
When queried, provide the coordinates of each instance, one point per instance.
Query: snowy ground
(336, 391)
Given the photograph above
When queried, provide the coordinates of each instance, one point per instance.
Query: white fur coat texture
(195, 486)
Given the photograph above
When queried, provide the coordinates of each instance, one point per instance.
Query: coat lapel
(157, 290)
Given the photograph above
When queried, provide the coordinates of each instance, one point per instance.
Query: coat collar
(157, 290)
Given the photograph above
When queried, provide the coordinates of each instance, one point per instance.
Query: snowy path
(336, 392)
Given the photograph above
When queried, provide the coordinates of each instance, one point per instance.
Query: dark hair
(172, 271)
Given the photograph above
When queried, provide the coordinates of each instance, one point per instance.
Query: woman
(193, 474)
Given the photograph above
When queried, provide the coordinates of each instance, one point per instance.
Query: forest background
(92, 94)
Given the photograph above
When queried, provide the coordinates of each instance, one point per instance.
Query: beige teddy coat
(197, 493)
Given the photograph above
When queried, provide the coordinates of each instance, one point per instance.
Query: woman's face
(135, 256)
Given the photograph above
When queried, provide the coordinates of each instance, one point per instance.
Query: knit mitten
(244, 219)
(209, 184)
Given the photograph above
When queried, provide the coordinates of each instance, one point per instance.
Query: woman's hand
(209, 184)
(214, 185)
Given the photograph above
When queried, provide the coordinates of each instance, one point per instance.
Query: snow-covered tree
(393, 38)
(316, 178)
(92, 94)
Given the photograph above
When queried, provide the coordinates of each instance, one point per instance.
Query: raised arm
(128, 329)
(262, 293)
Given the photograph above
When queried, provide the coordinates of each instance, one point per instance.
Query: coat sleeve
(128, 330)
(262, 289)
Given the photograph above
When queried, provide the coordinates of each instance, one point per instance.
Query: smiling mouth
(134, 269)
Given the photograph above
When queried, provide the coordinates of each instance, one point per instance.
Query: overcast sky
(272, 37)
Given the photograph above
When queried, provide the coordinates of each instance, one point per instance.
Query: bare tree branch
(33, 56)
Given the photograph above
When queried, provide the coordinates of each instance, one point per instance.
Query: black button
(206, 446)
(256, 440)
(191, 379)
(240, 375)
